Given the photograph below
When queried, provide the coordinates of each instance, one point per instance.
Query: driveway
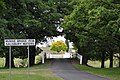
(64, 69)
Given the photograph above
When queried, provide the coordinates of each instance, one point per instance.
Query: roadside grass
(36, 72)
(43, 74)
(112, 73)
(38, 66)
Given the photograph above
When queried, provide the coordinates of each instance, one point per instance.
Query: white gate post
(43, 58)
(80, 59)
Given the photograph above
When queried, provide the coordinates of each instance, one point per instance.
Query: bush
(20, 62)
(2, 62)
(38, 59)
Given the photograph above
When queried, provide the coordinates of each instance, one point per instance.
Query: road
(64, 69)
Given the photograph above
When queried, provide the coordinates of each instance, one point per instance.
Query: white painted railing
(66, 55)
(79, 57)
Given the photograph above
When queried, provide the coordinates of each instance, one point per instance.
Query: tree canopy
(36, 19)
(92, 25)
(94, 28)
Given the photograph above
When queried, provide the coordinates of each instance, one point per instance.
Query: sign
(19, 42)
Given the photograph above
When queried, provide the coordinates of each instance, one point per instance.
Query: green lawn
(112, 73)
(36, 73)
(20, 74)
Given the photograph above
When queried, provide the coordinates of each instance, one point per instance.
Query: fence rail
(79, 57)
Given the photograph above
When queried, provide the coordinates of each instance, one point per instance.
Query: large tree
(93, 26)
(47, 17)
(36, 19)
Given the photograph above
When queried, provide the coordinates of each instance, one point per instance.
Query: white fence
(79, 57)
(66, 55)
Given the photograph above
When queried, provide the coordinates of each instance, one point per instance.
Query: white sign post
(28, 64)
(19, 42)
(10, 61)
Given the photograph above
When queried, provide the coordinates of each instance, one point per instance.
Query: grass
(36, 72)
(112, 73)
(43, 74)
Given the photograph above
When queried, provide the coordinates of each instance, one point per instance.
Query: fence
(79, 57)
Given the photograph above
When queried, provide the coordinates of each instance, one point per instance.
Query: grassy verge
(42, 74)
(112, 73)
(36, 73)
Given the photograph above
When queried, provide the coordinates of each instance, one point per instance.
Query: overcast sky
(50, 41)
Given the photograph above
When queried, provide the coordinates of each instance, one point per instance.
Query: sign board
(19, 42)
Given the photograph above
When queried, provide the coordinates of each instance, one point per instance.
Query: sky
(50, 41)
(59, 38)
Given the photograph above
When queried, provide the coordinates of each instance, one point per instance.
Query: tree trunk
(111, 59)
(67, 43)
(103, 59)
(32, 55)
(7, 60)
(84, 61)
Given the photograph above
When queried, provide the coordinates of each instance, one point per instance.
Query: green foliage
(38, 50)
(93, 27)
(20, 62)
(58, 46)
(2, 62)
(38, 59)
(36, 19)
